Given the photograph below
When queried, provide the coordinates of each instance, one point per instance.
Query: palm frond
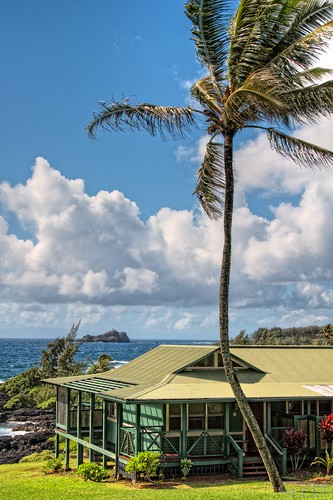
(309, 76)
(208, 95)
(246, 34)
(260, 97)
(211, 182)
(302, 53)
(162, 120)
(210, 21)
(308, 104)
(301, 152)
(285, 35)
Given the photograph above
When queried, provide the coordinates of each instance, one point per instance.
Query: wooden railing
(230, 442)
(85, 418)
(278, 452)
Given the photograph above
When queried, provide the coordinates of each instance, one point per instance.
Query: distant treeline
(304, 335)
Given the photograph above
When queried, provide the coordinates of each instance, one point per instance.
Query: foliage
(104, 362)
(146, 463)
(45, 396)
(38, 456)
(27, 389)
(58, 359)
(53, 465)
(327, 462)
(185, 467)
(294, 441)
(326, 430)
(19, 388)
(304, 335)
(93, 471)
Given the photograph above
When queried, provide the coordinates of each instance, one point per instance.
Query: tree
(58, 359)
(104, 362)
(260, 75)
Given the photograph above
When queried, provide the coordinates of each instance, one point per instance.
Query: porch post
(68, 425)
(269, 417)
(183, 430)
(227, 429)
(104, 431)
(117, 444)
(91, 425)
(79, 428)
(56, 445)
(137, 429)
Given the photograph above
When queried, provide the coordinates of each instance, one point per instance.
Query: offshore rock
(110, 336)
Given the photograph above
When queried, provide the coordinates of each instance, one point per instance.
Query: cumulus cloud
(92, 257)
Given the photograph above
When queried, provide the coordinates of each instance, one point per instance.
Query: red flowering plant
(326, 430)
(294, 441)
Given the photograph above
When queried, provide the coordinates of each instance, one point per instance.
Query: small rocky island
(110, 336)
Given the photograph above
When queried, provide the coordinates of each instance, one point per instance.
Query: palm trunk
(240, 397)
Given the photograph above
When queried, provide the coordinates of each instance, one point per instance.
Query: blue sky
(107, 230)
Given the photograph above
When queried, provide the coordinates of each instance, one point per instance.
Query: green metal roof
(162, 374)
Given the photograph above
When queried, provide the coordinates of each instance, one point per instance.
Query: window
(112, 410)
(325, 407)
(215, 415)
(174, 417)
(196, 416)
(295, 407)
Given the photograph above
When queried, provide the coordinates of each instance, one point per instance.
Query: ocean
(17, 355)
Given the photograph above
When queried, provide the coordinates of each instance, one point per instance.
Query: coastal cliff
(110, 336)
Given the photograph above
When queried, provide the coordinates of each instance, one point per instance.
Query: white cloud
(92, 257)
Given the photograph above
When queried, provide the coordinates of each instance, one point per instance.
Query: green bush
(327, 462)
(146, 463)
(53, 466)
(185, 467)
(38, 457)
(93, 472)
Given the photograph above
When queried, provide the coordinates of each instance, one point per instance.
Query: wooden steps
(254, 468)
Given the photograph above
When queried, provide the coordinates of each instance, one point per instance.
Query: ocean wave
(6, 429)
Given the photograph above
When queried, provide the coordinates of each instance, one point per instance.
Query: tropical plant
(326, 430)
(93, 471)
(146, 463)
(185, 466)
(58, 360)
(294, 441)
(327, 462)
(260, 76)
(38, 456)
(104, 362)
(53, 466)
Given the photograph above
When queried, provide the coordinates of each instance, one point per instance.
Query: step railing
(278, 452)
(230, 442)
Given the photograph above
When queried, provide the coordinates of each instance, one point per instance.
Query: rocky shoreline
(39, 426)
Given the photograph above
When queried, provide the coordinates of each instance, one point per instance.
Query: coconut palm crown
(260, 74)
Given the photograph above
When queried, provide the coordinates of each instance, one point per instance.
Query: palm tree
(260, 75)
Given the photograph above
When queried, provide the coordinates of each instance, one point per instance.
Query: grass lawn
(26, 482)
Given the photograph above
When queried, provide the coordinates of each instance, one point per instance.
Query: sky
(107, 231)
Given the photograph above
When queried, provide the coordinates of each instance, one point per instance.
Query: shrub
(326, 462)
(146, 462)
(294, 441)
(93, 472)
(326, 429)
(185, 467)
(38, 457)
(53, 466)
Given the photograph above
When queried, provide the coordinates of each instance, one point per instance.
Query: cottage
(175, 400)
